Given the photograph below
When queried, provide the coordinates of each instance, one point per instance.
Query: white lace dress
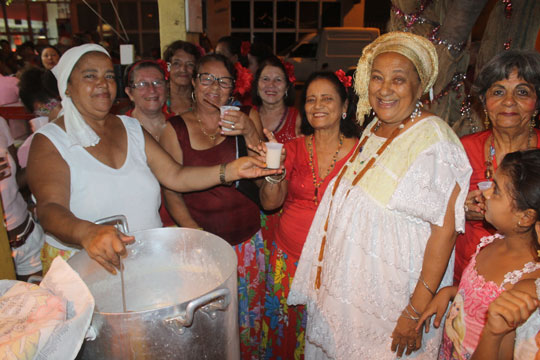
(376, 238)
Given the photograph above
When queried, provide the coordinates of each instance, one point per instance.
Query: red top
(221, 210)
(299, 207)
(474, 230)
(288, 130)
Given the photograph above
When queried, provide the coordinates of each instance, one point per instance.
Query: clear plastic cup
(222, 110)
(273, 155)
(484, 185)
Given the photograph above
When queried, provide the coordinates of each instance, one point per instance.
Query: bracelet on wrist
(276, 180)
(426, 285)
(222, 180)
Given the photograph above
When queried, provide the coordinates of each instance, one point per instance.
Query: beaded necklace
(490, 155)
(317, 184)
(360, 175)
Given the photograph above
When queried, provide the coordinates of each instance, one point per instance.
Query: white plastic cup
(222, 110)
(484, 185)
(273, 155)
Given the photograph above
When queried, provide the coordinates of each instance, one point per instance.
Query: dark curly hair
(215, 57)
(271, 61)
(181, 45)
(37, 85)
(348, 126)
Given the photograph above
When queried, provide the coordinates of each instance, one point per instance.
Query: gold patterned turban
(419, 50)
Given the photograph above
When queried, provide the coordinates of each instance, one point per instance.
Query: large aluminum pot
(181, 299)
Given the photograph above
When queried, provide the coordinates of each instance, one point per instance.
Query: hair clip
(345, 80)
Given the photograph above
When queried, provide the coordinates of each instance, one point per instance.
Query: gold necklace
(211, 136)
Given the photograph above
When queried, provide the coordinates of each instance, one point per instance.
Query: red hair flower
(163, 65)
(289, 68)
(345, 80)
(243, 80)
(245, 47)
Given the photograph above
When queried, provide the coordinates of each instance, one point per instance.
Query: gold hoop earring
(533, 120)
(486, 120)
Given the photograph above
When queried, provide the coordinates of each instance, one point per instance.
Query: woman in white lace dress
(382, 240)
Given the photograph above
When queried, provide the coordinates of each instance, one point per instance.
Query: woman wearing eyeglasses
(146, 88)
(181, 57)
(204, 137)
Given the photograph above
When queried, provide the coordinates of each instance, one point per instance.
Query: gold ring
(232, 126)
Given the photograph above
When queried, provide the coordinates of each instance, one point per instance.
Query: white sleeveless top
(98, 191)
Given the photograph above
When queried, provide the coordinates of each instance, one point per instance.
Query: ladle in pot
(120, 222)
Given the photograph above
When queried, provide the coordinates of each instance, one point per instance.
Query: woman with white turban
(382, 240)
(90, 164)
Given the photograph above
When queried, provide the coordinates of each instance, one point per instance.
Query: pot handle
(216, 300)
(120, 221)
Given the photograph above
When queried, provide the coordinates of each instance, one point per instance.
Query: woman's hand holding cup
(475, 206)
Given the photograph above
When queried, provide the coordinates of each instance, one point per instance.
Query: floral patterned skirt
(283, 326)
(48, 253)
(251, 287)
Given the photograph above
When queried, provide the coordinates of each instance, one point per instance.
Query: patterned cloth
(468, 312)
(283, 325)
(251, 272)
(49, 253)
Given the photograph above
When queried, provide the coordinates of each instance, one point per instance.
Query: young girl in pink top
(501, 260)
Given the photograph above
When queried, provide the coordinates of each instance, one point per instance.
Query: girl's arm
(511, 309)
(436, 256)
(437, 306)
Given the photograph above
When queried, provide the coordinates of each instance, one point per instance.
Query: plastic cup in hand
(222, 110)
(484, 185)
(273, 155)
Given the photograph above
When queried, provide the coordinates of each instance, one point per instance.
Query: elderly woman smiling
(508, 86)
(90, 164)
(382, 238)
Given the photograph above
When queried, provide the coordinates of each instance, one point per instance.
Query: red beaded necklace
(317, 184)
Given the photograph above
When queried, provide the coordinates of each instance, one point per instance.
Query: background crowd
(375, 224)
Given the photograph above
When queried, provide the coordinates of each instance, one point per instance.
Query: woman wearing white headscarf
(382, 239)
(90, 164)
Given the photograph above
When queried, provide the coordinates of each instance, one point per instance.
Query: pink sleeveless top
(468, 313)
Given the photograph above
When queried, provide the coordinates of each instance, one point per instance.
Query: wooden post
(7, 270)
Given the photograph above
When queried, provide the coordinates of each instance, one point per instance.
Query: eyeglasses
(224, 82)
(146, 84)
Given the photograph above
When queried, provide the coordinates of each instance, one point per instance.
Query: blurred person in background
(181, 57)
(49, 56)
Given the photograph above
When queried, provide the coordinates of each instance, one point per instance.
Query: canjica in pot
(181, 299)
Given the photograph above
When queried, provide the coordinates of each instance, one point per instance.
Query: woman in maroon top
(202, 136)
(508, 86)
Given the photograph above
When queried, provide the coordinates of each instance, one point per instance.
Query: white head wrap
(419, 50)
(77, 129)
